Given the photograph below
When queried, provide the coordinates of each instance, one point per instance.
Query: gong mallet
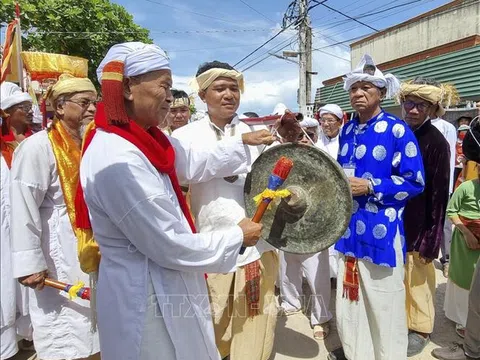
(80, 291)
(275, 180)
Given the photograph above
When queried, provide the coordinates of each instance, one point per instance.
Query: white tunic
(141, 230)
(218, 204)
(43, 238)
(8, 291)
(450, 133)
(8, 341)
(329, 145)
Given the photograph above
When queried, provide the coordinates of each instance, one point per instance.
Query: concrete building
(443, 44)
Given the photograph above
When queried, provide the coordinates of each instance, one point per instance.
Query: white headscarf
(11, 94)
(309, 122)
(279, 109)
(332, 109)
(139, 58)
(388, 81)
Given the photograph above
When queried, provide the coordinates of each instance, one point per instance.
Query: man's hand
(251, 232)
(425, 260)
(471, 240)
(288, 127)
(34, 281)
(260, 137)
(359, 186)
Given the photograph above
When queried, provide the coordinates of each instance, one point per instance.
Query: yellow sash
(68, 156)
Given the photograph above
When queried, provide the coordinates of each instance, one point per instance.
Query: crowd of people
(147, 208)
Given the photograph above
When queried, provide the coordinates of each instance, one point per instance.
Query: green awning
(461, 68)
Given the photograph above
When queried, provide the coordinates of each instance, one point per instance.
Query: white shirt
(450, 133)
(142, 231)
(43, 238)
(8, 290)
(329, 145)
(219, 204)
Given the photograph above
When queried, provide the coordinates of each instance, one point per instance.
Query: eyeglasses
(409, 105)
(328, 121)
(26, 107)
(311, 135)
(84, 103)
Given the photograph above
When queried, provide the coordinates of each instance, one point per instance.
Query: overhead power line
(276, 35)
(191, 12)
(258, 12)
(348, 16)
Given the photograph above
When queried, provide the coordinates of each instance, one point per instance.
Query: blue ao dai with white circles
(385, 150)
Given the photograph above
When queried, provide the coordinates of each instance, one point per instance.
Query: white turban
(332, 109)
(388, 81)
(138, 58)
(279, 109)
(309, 122)
(11, 94)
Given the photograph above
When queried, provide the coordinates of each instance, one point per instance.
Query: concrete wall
(451, 24)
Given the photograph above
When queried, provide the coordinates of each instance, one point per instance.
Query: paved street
(294, 338)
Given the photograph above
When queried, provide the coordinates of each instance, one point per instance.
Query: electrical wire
(348, 16)
(258, 12)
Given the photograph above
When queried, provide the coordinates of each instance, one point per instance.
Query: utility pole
(297, 13)
(302, 44)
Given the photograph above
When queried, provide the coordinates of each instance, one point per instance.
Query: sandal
(321, 331)
(460, 330)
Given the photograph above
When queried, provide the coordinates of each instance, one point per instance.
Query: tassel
(112, 90)
(351, 279)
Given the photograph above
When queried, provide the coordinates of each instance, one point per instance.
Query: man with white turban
(424, 215)
(44, 178)
(241, 331)
(18, 106)
(331, 121)
(315, 268)
(8, 337)
(152, 296)
(381, 159)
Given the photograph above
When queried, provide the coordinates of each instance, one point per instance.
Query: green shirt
(465, 202)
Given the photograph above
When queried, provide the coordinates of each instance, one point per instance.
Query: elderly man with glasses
(17, 105)
(44, 181)
(424, 215)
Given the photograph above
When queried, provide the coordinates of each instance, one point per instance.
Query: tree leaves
(86, 28)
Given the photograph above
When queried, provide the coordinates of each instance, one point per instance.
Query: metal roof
(461, 68)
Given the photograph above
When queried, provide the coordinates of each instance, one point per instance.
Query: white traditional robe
(218, 204)
(143, 235)
(43, 238)
(330, 146)
(450, 133)
(8, 341)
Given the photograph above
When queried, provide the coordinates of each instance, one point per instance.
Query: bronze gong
(318, 211)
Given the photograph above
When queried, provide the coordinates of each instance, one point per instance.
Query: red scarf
(152, 143)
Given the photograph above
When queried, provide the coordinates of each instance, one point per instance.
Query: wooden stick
(55, 284)
(262, 207)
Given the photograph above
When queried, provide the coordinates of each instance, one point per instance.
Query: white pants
(8, 342)
(316, 270)
(375, 327)
(333, 260)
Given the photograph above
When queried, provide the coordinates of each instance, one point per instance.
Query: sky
(196, 31)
